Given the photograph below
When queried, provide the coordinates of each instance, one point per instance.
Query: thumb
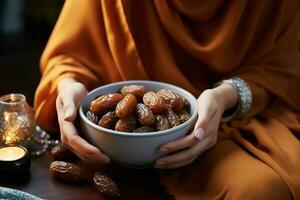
(199, 130)
(202, 123)
(71, 94)
(69, 108)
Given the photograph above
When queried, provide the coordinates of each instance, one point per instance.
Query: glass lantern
(17, 123)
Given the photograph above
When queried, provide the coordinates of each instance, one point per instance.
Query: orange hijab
(191, 44)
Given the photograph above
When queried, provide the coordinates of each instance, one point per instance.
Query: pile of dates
(64, 170)
(136, 109)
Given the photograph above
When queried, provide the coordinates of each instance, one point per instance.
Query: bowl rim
(131, 134)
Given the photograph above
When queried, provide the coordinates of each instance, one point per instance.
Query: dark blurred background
(25, 26)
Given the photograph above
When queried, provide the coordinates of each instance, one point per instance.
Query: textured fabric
(194, 44)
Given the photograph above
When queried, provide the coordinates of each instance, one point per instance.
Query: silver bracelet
(245, 98)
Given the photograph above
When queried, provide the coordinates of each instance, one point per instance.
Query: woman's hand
(70, 95)
(211, 105)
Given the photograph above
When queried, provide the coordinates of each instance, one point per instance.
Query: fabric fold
(194, 44)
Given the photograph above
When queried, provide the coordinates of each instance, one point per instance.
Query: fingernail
(199, 133)
(68, 114)
(163, 150)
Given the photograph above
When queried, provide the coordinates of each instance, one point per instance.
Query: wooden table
(134, 184)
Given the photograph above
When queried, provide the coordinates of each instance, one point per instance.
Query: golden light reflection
(8, 139)
(6, 116)
(16, 120)
(11, 135)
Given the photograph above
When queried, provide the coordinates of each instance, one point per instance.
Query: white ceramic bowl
(137, 150)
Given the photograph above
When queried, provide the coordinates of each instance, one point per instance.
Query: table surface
(133, 184)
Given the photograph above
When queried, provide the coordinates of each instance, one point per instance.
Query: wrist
(238, 94)
(227, 95)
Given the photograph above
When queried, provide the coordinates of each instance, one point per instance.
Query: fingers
(71, 97)
(176, 165)
(205, 125)
(205, 113)
(182, 143)
(192, 147)
(81, 147)
(69, 107)
(175, 159)
(186, 156)
(78, 145)
(203, 136)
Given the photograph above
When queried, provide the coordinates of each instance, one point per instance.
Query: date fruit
(155, 103)
(65, 171)
(105, 103)
(136, 90)
(106, 185)
(171, 98)
(62, 152)
(127, 124)
(144, 129)
(144, 114)
(126, 106)
(173, 118)
(92, 117)
(162, 123)
(185, 101)
(137, 109)
(108, 120)
(183, 116)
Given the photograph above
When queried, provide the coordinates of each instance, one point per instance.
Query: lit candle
(14, 162)
(11, 153)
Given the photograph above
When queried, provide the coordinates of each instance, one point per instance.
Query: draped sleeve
(71, 52)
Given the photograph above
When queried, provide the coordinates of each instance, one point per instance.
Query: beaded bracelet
(245, 98)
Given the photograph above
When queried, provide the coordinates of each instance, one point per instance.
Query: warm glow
(6, 116)
(11, 153)
(8, 139)
(10, 136)
(16, 120)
